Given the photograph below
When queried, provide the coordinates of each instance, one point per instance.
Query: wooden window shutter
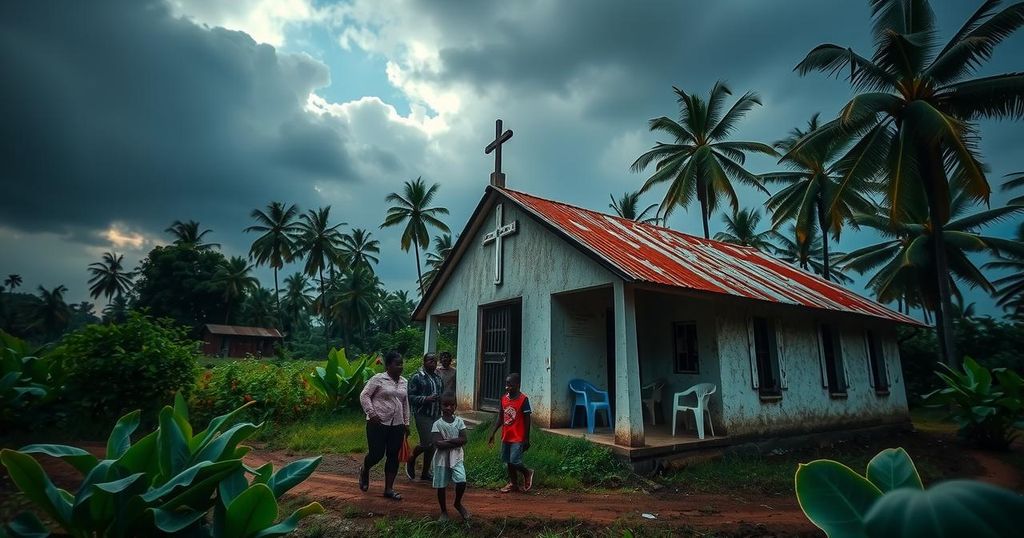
(780, 350)
(841, 355)
(751, 345)
(884, 348)
(867, 355)
(821, 357)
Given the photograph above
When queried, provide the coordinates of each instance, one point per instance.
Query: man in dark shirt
(425, 399)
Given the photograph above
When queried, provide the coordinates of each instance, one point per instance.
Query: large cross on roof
(497, 177)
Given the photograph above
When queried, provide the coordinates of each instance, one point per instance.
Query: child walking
(449, 436)
(515, 434)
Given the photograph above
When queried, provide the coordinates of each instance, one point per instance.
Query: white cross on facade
(500, 231)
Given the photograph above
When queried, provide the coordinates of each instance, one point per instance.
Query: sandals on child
(510, 487)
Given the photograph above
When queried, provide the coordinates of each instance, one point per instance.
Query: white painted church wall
(537, 264)
(805, 404)
(578, 347)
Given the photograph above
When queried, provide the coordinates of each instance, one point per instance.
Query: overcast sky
(118, 117)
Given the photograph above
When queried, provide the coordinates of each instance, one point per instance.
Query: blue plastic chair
(591, 399)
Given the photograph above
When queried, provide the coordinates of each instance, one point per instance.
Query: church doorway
(500, 351)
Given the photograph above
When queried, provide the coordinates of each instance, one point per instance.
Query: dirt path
(338, 488)
(996, 471)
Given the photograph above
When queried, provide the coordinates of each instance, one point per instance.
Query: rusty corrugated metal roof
(656, 255)
(237, 330)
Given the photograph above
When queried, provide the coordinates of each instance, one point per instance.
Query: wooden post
(430, 335)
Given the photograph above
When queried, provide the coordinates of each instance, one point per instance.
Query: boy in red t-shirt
(515, 434)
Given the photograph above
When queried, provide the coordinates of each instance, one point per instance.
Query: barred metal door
(497, 343)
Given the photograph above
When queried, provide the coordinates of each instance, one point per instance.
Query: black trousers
(383, 441)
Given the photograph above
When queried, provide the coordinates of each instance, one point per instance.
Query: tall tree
(355, 300)
(175, 281)
(276, 246)
(12, 281)
(412, 208)
(1014, 181)
(395, 312)
(321, 243)
(807, 198)
(109, 277)
(1010, 289)
(700, 162)
(913, 119)
(258, 309)
(904, 259)
(359, 250)
(51, 314)
(116, 310)
(234, 280)
(741, 229)
(808, 256)
(627, 206)
(297, 300)
(188, 234)
(442, 249)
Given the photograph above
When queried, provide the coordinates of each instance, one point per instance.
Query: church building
(557, 292)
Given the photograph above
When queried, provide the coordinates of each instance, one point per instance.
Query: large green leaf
(188, 476)
(215, 427)
(199, 494)
(181, 416)
(120, 439)
(292, 474)
(291, 522)
(224, 444)
(78, 458)
(28, 475)
(892, 468)
(834, 497)
(172, 521)
(26, 525)
(173, 448)
(951, 509)
(251, 512)
(232, 486)
(142, 456)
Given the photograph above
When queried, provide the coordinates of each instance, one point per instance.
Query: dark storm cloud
(116, 110)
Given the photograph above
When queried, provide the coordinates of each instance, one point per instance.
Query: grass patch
(561, 462)
(932, 419)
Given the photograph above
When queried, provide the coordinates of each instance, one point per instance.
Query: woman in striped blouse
(385, 399)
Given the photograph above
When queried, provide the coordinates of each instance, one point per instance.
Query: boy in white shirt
(449, 435)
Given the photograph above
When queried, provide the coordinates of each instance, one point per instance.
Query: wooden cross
(497, 177)
(500, 231)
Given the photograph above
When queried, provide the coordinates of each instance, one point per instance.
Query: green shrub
(890, 500)
(280, 390)
(29, 378)
(164, 484)
(987, 406)
(138, 364)
(341, 380)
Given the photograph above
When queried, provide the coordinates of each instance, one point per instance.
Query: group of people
(427, 399)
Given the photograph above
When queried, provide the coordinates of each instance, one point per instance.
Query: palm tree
(109, 277)
(234, 280)
(296, 301)
(12, 281)
(914, 119)
(1010, 288)
(808, 256)
(355, 300)
(904, 259)
(811, 182)
(258, 309)
(188, 234)
(700, 162)
(359, 250)
(395, 312)
(321, 243)
(741, 229)
(1014, 181)
(52, 314)
(116, 310)
(442, 249)
(276, 246)
(412, 209)
(628, 204)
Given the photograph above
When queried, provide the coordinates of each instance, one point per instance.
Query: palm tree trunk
(277, 295)
(934, 175)
(227, 312)
(823, 225)
(702, 197)
(323, 312)
(419, 273)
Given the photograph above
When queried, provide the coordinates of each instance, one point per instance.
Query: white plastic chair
(653, 399)
(703, 392)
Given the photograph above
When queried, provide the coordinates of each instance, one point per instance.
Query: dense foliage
(138, 364)
(166, 483)
(177, 282)
(987, 405)
(341, 380)
(276, 390)
(890, 500)
(29, 378)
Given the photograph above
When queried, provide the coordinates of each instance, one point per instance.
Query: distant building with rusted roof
(236, 341)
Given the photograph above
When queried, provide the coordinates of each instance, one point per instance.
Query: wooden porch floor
(658, 440)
